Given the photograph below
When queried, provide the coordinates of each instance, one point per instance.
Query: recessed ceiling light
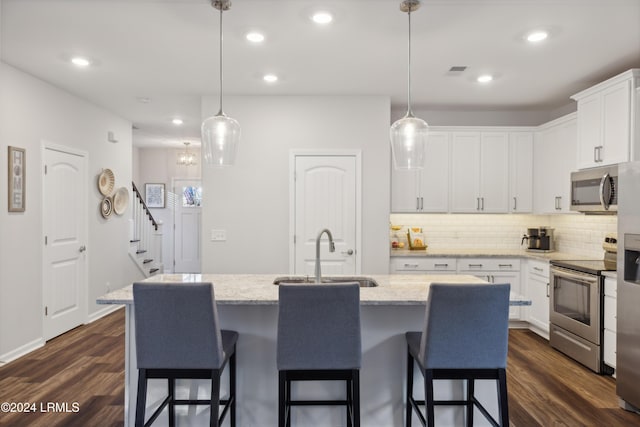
(255, 37)
(322, 18)
(485, 78)
(270, 78)
(537, 36)
(177, 121)
(143, 99)
(80, 61)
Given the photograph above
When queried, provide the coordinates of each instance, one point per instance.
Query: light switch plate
(218, 235)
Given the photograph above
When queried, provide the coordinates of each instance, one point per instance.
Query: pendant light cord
(409, 112)
(220, 113)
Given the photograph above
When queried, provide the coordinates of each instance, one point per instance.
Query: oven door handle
(605, 192)
(588, 278)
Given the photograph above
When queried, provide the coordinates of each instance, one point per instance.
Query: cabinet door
(521, 172)
(494, 172)
(434, 181)
(616, 125)
(465, 172)
(404, 190)
(537, 290)
(589, 130)
(554, 159)
(513, 278)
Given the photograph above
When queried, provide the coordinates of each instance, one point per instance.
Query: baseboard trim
(103, 312)
(21, 351)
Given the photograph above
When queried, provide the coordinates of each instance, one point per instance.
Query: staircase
(145, 244)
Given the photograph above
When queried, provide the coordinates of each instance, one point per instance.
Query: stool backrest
(176, 326)
(466, 326)
(319, 326)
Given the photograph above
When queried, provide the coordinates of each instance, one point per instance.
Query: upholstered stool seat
(319, 340)
(178, 336)
(465, 337)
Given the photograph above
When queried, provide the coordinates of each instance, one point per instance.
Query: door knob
(349, 252)
(82, 248)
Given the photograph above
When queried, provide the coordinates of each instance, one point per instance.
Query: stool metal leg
(470, 393)
(428, 395)
(409, 389)
(232, 387)
(171, 382)
(141, 402)
(356, 398)
(503, 405)
(349, 399)
(215, 398)
(281, 399)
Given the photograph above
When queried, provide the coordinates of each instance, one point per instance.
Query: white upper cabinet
(554, 157)
(480, 172)
(607, 120)
(425, 190)
(520, 172)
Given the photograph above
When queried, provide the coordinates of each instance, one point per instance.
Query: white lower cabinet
(537, 290)
(610, 310)
(495, 270)
(422, 265)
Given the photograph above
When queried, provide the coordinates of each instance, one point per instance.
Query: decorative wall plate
(106, 182)
(106, 207)
(121, 200)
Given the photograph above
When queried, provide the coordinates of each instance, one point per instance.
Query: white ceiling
(167, 51)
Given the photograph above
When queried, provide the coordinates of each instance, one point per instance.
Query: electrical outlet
(218, 235)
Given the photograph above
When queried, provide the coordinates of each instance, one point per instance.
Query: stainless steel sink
(365, 282)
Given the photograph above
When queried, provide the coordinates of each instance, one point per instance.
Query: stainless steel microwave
(595, 190)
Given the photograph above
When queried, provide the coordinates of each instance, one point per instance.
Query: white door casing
(187, 230)
(326, 193)
(64, 278)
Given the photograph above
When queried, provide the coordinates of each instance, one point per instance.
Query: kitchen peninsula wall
(577, 234)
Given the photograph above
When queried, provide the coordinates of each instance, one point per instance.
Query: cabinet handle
(595, 154)
(482, 201)
(417, 203)
(441, 265)
(475, 265)
(538, 269)
(477, 203)
(515, 203)
(558, 203)
(411, 265)
(599, 147)
(421, 203)
(505, 265)
(547, 289)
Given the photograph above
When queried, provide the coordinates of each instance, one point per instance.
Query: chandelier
(186, 158)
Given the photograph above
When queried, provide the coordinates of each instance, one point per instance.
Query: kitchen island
(247, 303)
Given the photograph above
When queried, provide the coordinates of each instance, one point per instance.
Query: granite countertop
(258, 289)
(488, 253)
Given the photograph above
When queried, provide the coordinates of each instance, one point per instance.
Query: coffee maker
(539, 239)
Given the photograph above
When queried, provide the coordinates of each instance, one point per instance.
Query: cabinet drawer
(423, 264)
(610, 311)
(609, 350)
(488, 264)
(538, 268)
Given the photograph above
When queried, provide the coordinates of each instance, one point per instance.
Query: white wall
(32, 111)
(251, 199)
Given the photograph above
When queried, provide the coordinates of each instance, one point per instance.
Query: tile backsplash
(574, 233)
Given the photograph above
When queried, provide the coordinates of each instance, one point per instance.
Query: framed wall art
(17, 176)
(154, 195)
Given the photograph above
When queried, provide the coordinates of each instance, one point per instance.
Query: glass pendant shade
(220, 140)
(408, 142)
(186, 157)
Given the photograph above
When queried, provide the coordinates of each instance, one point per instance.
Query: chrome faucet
(332, 248)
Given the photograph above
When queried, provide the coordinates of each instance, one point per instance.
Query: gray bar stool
(465, 337)
(319, 340)
(178, 336)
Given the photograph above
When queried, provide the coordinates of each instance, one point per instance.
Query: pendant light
(220, 133)
(409, 134)
(186, 158)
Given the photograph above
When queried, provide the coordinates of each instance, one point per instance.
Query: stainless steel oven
(575, 315)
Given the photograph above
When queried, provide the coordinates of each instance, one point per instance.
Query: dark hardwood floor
(86, 366)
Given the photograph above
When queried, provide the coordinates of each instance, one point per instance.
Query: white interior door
(326, 196)
(65, 237)
(188, 223)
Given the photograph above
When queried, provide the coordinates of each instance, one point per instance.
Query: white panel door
(65, 231)
(187, 226)
(325, 197)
